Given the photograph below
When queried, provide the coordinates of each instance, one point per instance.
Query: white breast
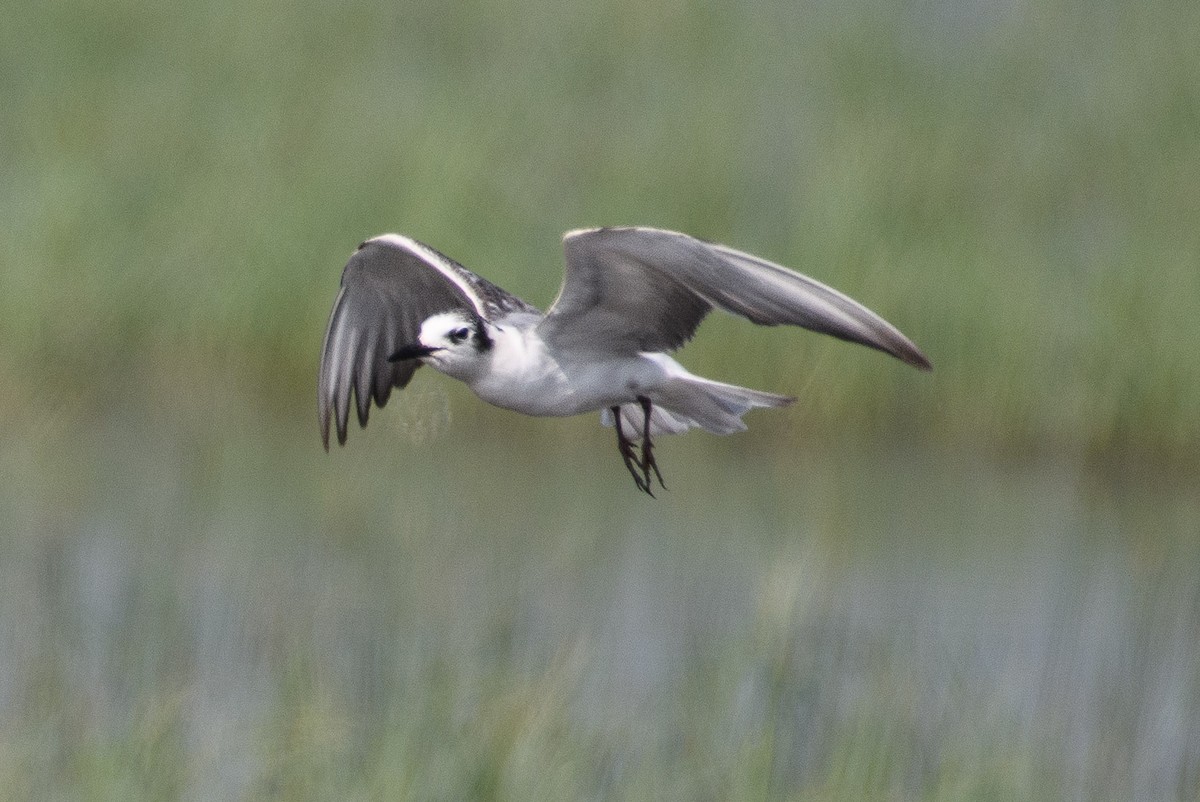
(525, 376)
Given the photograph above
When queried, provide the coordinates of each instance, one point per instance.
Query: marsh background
(976, 584)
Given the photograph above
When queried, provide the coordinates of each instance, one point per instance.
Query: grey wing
(389, 287)
(645, 289)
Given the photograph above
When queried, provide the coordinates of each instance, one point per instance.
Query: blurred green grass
(1016, 186)
(188, 613)
(197, 602)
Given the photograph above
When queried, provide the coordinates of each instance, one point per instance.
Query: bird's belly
(552, 391)
(544, 397)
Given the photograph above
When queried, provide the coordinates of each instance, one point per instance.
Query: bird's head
(456, 343)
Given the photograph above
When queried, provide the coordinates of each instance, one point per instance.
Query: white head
(456, 343)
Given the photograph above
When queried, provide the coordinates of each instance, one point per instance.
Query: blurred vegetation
(252, 620)
(196, 602)
(1016, 186)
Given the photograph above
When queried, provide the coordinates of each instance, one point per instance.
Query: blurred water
(191, 615)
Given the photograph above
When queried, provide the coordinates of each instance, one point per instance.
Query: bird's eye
(458, 335)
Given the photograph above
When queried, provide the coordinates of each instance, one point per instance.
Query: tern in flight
(630, 296)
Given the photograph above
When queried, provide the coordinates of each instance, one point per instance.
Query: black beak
(412, 351)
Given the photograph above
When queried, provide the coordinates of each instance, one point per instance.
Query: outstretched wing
(644, 289)
(389, 287)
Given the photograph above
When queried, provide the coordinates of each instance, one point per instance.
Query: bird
(629, 297)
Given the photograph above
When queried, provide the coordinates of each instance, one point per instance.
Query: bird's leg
(648, 463)
(626, 448)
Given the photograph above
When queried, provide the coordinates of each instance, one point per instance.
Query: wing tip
(912, 355)
(322, 411)
(340, 421)
(898, 346)
(324, 414)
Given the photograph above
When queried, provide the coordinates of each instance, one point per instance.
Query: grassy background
(975, 584)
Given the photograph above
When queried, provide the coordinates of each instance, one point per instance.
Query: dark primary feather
(388, 289)
(642, 289)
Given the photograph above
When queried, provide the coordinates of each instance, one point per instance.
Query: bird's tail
(692, 402)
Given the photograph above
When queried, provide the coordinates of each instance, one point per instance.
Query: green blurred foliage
(1017, 186)
(195, 599)
(189, 616)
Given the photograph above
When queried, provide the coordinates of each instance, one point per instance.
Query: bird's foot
(648, 462)
(635, 466)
